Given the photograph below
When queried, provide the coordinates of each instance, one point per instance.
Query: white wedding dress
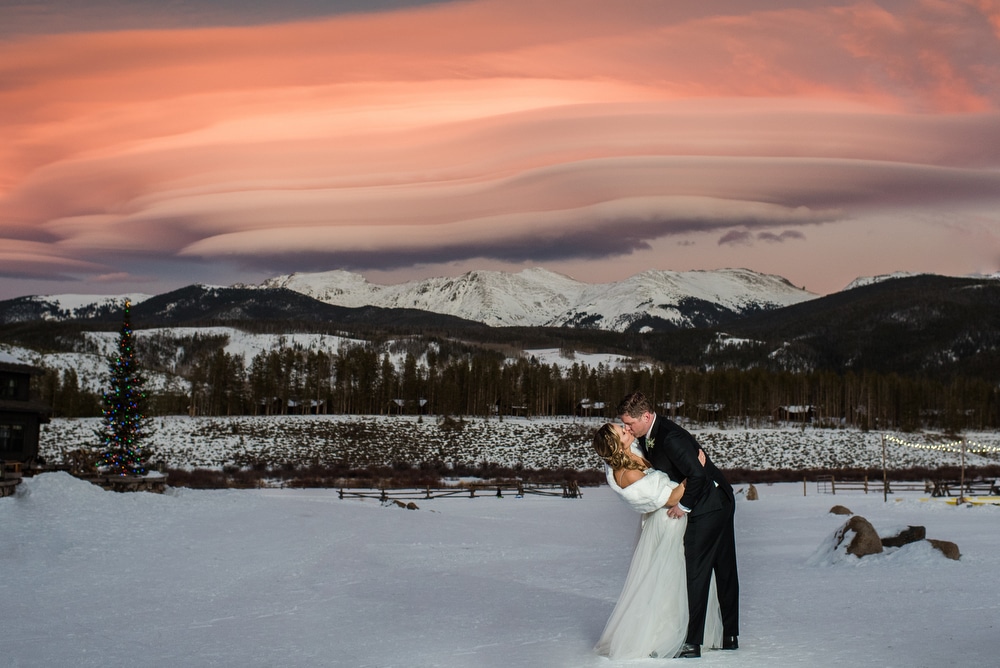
(651, 616)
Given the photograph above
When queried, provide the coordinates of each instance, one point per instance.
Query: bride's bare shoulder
(629, 476)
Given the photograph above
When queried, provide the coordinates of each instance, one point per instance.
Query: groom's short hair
(635, 404)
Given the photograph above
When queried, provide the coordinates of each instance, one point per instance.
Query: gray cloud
(56, 16)
(781, 237)
(736, 238)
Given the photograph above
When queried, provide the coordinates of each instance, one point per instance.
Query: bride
(651, 616)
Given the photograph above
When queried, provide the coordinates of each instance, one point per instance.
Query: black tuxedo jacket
(672, 449)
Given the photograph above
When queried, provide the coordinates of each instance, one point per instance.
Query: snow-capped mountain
(862, 281)
(528, 298)
(541, 298)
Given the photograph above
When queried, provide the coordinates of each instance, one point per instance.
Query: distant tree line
(450, 379)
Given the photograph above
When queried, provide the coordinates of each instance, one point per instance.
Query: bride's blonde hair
(609, 447)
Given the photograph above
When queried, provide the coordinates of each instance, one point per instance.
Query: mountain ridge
(653, 300)
(536, 297)
(907, 324)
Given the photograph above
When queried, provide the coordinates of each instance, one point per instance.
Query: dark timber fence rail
(827, 484)
(566, 490)
(971, 487)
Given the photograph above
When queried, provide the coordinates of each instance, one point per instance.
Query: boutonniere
(647, 443)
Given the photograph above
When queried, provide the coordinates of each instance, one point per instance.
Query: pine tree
(124, 426)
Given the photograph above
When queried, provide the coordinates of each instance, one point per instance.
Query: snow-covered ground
(299, 578)
(300, 440)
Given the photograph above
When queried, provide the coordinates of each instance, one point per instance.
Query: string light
(123, 427)
(952, 446)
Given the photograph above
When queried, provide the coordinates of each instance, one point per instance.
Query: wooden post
(833, 486)
(961, 482)
(803, 486)
(885, 476)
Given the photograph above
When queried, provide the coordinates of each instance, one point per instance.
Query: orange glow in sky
(817, 141)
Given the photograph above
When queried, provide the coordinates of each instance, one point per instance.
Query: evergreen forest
(449, 378)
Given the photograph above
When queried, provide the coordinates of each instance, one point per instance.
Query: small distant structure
(587, 407)
(20, 422)
(408, 406)
(671, 408)
(710, 411)
(306, 407)
(519, 410)
(803, 413)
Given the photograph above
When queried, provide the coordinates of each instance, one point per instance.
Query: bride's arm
(675, 496)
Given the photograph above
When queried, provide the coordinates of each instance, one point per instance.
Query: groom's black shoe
(689, 651)
(730, 642)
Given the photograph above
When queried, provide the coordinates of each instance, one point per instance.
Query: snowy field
(215, 442)
(298, 578)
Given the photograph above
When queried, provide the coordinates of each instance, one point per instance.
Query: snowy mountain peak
(534, 297)
(538, 297)
(339, 287)
(862, 281)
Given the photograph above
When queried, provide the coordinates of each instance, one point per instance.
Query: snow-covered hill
(64, 306)
(540, 298)
(862, 281)
(381, 440)
(91, 365)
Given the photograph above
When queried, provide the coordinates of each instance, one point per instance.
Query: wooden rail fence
(568, 490)
(827, 484)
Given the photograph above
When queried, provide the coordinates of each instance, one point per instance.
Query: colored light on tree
(124, 425)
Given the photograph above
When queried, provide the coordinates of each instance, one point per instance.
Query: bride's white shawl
(647, 494)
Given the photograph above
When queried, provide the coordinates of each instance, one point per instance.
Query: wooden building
(20, 416)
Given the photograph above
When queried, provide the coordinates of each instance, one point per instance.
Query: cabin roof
(14, 367)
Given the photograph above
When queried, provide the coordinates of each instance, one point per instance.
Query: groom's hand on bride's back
(701, 457)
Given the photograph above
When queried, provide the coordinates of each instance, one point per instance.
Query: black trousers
(710, 546)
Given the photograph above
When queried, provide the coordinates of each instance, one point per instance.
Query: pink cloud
(460, 126)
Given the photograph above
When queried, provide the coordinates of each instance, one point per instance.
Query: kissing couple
(682, 588)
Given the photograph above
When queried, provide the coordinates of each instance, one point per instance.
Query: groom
(709, 540)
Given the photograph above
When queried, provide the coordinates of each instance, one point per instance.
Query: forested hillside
(913, 352)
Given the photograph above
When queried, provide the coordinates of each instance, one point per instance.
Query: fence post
(803, 486)
(961, 484)
(885, 476)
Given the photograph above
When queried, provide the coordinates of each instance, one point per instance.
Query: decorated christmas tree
(124, 426)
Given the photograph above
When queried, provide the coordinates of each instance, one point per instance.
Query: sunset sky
(150, 145)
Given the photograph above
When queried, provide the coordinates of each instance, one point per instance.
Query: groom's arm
(683, 450)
